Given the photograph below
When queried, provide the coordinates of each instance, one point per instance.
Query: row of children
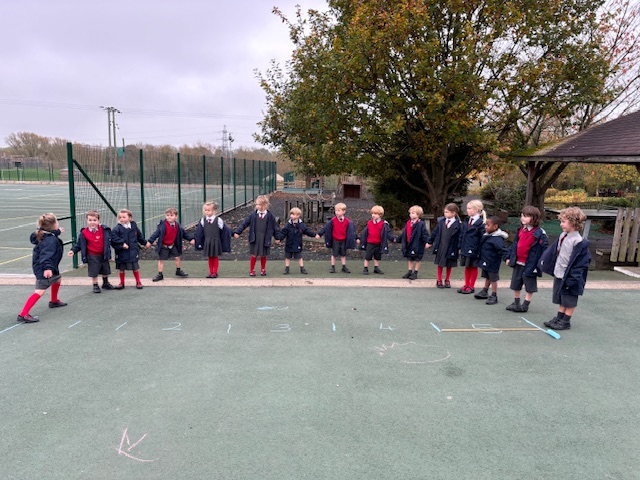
(478, 242)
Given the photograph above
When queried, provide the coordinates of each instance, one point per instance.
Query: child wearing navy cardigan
(126, 239)
(470, 236)
(292, 233)
(413, 238)
(568, 261)
(262, 226)
(444, 239)
(169, 234)
(340, 236)
(492, 252)
(375, 240)
(94, 245)
(47, 254)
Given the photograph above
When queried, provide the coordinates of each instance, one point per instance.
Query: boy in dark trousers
(375, 240)
(568, 261)
(413, 238)
(292, 233)
(492, 252)
(524, 255)
(340, 236)
(94, 245)
(169, 234)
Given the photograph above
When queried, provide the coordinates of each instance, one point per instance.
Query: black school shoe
(28, 319)
(107, 286)
(159, 277)
(482, 294)
(181, 273)
(378, 271)
(345, 269)
(57, 304)
(96, 288)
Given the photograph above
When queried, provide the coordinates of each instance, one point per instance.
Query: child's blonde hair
(46, 222)
(480, 207)
(340, 206)
(574, 215)
(262, 200)
(172, 210)
(417, 209)
(377, 209)
(212, 204)
(295, 211)
(92, 213)
(128, 212)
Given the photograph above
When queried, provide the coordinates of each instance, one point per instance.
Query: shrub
(505, 195)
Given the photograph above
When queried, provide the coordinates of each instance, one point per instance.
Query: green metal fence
(27, 170)
(147, 183)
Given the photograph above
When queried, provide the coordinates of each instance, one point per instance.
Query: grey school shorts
(373, 250)
(339, 249)
(167, 252)
(45, 283)
(492, 276)
(97, 265)
(518, 280)
(567, 301)
(294, 255)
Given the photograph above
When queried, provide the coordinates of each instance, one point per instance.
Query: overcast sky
(178, 70)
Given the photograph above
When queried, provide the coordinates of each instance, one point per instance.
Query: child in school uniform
(492, 252)
(47, 253)
(375, 240)
(213, 237)
(340, 236)
(169, 234)
(413, 240)
(444, 239)
(94, 245)
(529, 243)
(262, 226)
(126, 239)
(292, 233)
(568, 261)
(470, 235)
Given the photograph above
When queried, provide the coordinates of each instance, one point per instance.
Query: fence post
(72, 199)
(179, 188)
(235, 181)
(142, 192)
(221, 184)
(244, 179)
(253, 179)
(204, 178)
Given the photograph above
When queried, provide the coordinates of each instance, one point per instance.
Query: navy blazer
(250, 221)
(531, 265)
(47, 253)
(161, 231)
(575, 276)
(493, 250)
(386, 236)
(452, 248)
(470, 236)
(81, 244)
(293, 233)
(414, 247)
(132, 237)
(327, 231)
(225, 235)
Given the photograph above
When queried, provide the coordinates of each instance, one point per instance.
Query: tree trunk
(540, 177)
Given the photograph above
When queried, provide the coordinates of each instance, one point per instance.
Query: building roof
(616, 141)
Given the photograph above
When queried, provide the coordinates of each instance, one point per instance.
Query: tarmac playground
(319, 376)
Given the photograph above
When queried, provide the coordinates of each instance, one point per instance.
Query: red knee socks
(473, 276)
(439, 273)
(54, 292)
(136, 274)
(121, 277)
(31, 301)
(213, 265)
(263, 263)
(252, 264)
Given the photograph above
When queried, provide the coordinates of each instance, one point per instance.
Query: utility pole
(111, 126)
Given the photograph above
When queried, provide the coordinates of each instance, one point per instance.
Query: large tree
(422, 93)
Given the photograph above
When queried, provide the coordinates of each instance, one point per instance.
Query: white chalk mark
(176, 326)
(267, 307)
(71, 326)
(334, 326)
(229, 328)
(121, 326)
(9, 328)
(125, 437)
(391, 328)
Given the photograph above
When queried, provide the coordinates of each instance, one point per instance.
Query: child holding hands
(339, 235)
(470, 236)
(169, 235)
(292, 232)
(444, 239)
(375, 240)
(413, 238)
(492, 253)
(126, 239)
(213, 237)
(94, 245)
(262, 226)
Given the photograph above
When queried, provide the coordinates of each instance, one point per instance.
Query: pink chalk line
(131, 447)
